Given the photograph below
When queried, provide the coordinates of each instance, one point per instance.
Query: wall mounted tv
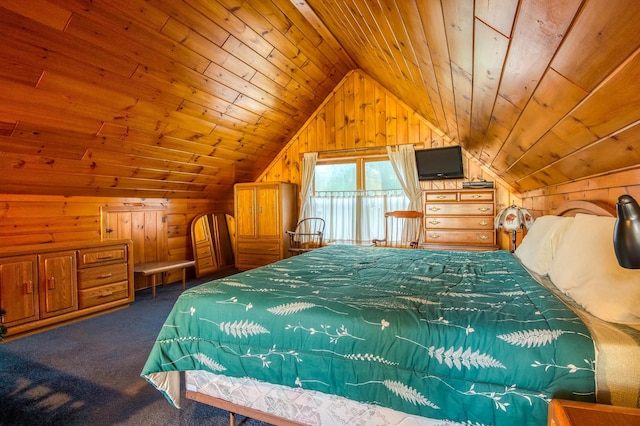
(440, 163)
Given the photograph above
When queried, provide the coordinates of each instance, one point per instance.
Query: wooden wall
(360, 114)
(32, 219)
(604, 188)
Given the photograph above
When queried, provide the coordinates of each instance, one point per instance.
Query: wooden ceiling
(180, 99)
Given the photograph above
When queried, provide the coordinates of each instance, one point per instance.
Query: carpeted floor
(88, 373)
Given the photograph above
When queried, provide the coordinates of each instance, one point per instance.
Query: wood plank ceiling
(180, 99)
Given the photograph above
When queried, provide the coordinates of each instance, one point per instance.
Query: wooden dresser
(263, 213)
(459, 219)
(49, 284)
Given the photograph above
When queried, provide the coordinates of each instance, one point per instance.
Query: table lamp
(512, 218)
(626, 233)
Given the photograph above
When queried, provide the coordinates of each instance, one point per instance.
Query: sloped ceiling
(168, 98)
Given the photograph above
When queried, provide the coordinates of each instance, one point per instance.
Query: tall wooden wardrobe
(264, 212)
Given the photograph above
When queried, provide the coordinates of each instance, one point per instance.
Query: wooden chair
(307, 236)
(402, 229)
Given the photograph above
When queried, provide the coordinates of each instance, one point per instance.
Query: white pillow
(585, 268)
(539, 245)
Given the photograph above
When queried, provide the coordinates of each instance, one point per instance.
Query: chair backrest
(308, 234)
(402, 229)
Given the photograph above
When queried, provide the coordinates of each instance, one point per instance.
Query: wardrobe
(263, 213)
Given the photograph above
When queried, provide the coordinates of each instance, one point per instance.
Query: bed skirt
(299, 405)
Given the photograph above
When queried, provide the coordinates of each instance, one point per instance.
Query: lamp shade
(626, 233)
(512, 218)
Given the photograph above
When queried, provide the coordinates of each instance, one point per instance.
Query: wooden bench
(162, 267)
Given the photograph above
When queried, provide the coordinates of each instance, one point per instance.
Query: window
(352, 197)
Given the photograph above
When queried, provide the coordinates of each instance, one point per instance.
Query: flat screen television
(440, 163)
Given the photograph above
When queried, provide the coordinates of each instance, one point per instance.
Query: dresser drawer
(251, 254)
(460, 237)
(445, 222)
(476, 196)
(103, 294)
(255, 247)
(460, 209)
(100, 275)
(441, 196)
(102, 256)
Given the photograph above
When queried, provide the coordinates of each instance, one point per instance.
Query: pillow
(585, 268)
(539, 245)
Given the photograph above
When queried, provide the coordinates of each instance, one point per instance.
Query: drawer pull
(434, 222)
(484, 209)
(435, 236)
(483, 237)
(434, 209)
(105, 256)
(483, 223)
(476, 196)
(109, 275)
(441, 197)
(106, 294)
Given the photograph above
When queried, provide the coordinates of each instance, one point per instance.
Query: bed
(367, 335)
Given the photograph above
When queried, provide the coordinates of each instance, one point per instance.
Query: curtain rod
(378, 150)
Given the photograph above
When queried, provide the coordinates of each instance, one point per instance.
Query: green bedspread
(464, 336)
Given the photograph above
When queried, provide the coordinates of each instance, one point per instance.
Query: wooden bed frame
(570, 208)
(598, 208)
(235, 409)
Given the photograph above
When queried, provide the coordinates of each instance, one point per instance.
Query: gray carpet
(89, 372)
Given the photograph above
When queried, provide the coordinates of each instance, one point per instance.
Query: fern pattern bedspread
(469, 337)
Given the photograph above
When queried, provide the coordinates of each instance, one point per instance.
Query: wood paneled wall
(361, 114)
(32, 219)
(604, 188)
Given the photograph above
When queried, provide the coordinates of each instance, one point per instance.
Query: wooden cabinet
(46, 285)
(459, 219)
(57, 283)
(263, 213)
(19, 289)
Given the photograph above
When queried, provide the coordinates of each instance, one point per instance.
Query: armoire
(263, 213)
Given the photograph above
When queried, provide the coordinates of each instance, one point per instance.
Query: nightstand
(573, 413)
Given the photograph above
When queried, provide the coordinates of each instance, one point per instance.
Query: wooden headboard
(571, 208)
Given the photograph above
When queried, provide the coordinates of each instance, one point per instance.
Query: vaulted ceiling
(169, 98)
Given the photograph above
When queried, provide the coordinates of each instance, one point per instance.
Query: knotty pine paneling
(605, 188)
(360, 114)
(30, 219)
(154, 99)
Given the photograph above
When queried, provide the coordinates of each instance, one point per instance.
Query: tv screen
(440, 163)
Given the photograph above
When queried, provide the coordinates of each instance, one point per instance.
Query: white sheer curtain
(355, 217)
(403, 161)
(309, 160)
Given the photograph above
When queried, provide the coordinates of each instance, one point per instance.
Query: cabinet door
(268, 203)
(58, 288)
(245, 213)
(18, 290)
